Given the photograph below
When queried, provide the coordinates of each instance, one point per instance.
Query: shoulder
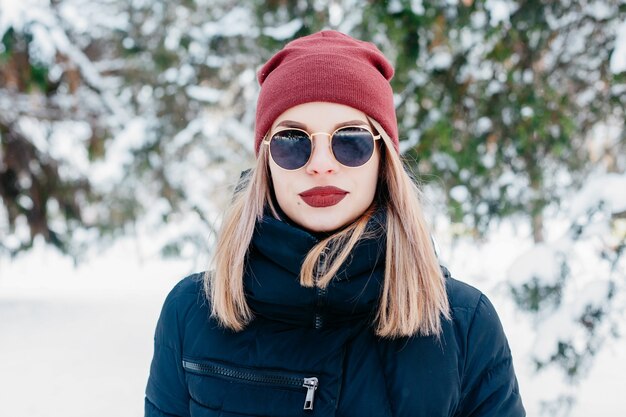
(186, 287)
(186, 292)
(186, 295)
(488, 383)
(472, 311)
(460, 294)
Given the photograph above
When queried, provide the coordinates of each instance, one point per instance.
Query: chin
(324, 222)
(322, 228)
(318, 226)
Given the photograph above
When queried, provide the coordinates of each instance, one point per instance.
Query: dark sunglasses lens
(290, 149)
(353, 146)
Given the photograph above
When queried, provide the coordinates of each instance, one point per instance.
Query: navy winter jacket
(312, 352)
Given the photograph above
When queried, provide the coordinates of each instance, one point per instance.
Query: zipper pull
(311, 385)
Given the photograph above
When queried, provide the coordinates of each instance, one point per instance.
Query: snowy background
(125, 124)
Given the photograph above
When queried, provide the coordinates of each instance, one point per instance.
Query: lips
(323, 196)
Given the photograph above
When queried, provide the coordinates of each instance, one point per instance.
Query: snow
(411, 141)
(172, 40)
(110, 170)
(618, 57)
(605, 136)
(352, 18)
(441, 59)
(43, 50)
(72, 14)
(335, 14)
(459, 193)
(527, 112)
(394, 6)
(444, 162)
(581, 264)
(563, 324)
(67, 144)
(604, 191)
(49, 37)
(284, 32)
(36, 131)
(185, 136)
(13, 15)
(417, 7)
(599, 10)
(557, 327)
(500, 11)
(78, 341)
(595, 294)
(237, 22)
(488, 160)
(215, 61)
(239, 133)
(478, 19)
(204, 94)
(186, 74)
(483, 126)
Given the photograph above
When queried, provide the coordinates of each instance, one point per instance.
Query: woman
(326, 297)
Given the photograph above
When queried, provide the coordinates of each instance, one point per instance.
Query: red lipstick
(323, 196)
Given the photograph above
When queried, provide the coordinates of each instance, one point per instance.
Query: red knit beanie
(326, 66)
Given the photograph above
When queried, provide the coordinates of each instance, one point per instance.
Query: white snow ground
(78, 342)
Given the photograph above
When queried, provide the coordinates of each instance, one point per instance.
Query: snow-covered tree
(57, 110)
(496, 98)
(574, 287)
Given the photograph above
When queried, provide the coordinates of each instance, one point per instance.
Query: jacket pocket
(248, 390)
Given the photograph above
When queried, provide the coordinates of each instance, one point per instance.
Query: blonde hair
(413, 300)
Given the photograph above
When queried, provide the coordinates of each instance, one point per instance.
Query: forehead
(320, 116)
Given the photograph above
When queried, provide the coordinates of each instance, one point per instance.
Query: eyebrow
(291, 123)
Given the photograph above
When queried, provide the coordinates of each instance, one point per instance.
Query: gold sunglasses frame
(267, 141)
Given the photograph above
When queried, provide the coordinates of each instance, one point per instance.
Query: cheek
(276, 181)
(373, 173)
(282, 186)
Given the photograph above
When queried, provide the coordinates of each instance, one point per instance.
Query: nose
(322, 160)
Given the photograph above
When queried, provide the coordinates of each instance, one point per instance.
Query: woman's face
(296, 191)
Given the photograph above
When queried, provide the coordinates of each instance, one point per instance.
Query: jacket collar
(272, 283)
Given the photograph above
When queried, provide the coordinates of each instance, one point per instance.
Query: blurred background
(124, 125)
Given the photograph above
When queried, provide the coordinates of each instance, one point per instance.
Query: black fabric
(304, 332)
(272, 281)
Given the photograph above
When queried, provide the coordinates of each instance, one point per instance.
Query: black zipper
(320, 295)
(258, 377)
(319, 305)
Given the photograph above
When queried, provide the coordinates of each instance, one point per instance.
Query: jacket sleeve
(490, 386)
(166, 391)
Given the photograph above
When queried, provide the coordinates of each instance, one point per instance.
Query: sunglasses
(351, 146)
